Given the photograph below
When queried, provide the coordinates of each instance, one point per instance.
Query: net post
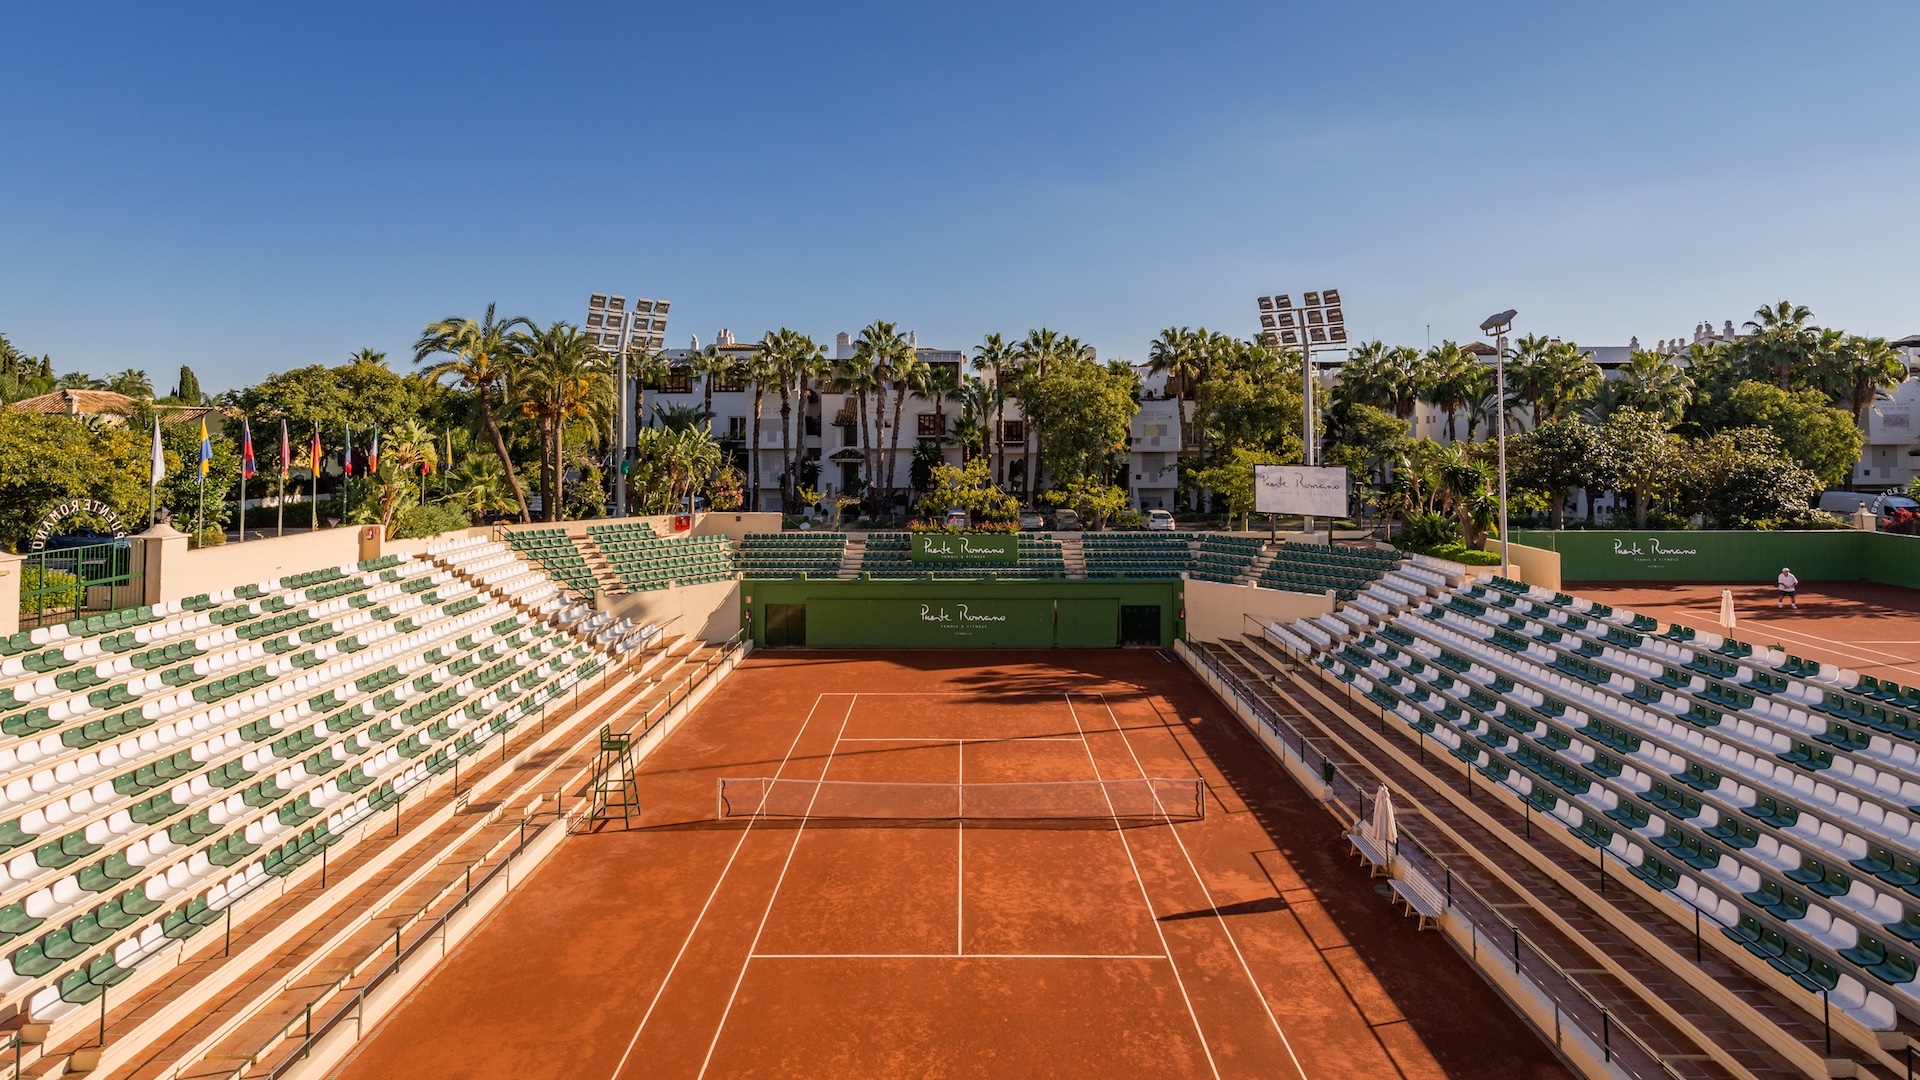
(719, 798)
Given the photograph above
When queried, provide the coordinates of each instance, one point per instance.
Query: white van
(1845, 503)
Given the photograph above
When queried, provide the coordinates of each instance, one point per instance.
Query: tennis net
(1150, 797)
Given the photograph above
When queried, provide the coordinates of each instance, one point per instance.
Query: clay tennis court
(1244, 943)
(1873, 629)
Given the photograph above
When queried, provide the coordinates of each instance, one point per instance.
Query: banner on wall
(1300, 489)
(991, 549)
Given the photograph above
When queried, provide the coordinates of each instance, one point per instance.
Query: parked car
(1032, 522)
(1066, 521)
(1845, 503)
(957, 518)
(1159, 521)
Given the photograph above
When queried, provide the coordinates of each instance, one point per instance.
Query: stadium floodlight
(625, 334)
(1496, 327)
(1318, 323)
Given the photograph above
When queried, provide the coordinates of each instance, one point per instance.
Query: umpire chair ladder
(614, 787)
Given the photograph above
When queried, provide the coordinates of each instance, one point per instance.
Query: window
(933, 425)
(1013, 431)
(677, 380)
(730, 386)
(736, 427)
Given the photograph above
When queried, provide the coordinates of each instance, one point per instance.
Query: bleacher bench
(1421, 898)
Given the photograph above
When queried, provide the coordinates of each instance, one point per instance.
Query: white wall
(710, 612)
(1218, 611)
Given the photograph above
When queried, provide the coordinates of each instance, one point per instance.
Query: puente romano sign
(68, 509)
(999, 549)
(1300, 489)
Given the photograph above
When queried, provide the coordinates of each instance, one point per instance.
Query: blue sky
(247, 188)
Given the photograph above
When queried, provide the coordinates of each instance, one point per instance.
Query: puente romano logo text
(929, 613)
(1654, 547)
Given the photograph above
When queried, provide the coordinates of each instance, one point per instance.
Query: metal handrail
(1509, 934)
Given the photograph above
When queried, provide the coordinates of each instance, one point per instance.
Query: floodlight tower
(1496, 327)
(1319, 322)
(625, 334)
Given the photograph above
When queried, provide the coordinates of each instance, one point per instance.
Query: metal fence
(60, 584)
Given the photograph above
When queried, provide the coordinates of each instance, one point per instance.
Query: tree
(1743, 479)
(976, 412)
(1567, 377)
(970, 488)
(1253, 401)
(906, 371)
(1642, 458)
(1455, 378)
(1038, 352)
(993, 356)
(1095, 501)
(480, 357)
(1652, 383)
(132, 382)
(1819, 437)
(1781, 342)
(1232, 480)
(1855, 370)
(762, 367)
(1180, 355)
(564, 378)
(1366, 440)
(48, 460)
(188, 389)
(1556, 458)
(856, 375)
(712, 364)
(1084, 410)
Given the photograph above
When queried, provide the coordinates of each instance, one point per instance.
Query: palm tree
(854, 375)
(1568, 376)
(481, 357)
(565, 379)
(1783, 339)
(1652, 383)
(1856, 369)
(711, 364)
(1453, 377)
(679, 417)
(976, 411)
(368, 356)
(132, 382)
(906, 373)
(764, 366)
(1036, 351)
(883, 351)
(994, 355)
(1180, 354)
(939, 385)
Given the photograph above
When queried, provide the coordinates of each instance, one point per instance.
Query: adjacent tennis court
(941, 864)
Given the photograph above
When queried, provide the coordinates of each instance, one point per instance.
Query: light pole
(1319, 322)
(1496, 327)
(615, 330)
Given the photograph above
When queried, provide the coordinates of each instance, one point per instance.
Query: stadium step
(597, 562)
(318, 946)
(1251, 575)
(1644, 959)
(851, 558)
(1074, 554)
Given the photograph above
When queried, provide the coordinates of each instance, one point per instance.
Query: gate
(60, 584)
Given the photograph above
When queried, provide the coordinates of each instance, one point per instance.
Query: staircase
(1251, 575)
(1074, 554)
(603, 571)
(852, 556)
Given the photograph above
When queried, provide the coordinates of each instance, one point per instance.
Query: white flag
(159, 471)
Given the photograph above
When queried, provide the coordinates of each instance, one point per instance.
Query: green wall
(1656, 555)
(963, 614)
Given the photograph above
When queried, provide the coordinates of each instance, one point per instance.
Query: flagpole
(285, 467)
(313, 481)
(153, 475)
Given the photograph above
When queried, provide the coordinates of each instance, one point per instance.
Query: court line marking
(960, 855)
(1905, 663)
(1174, 831)
(1127, 846)
(660, 991)
(960, 956)
(714, 1043)
(945, 739)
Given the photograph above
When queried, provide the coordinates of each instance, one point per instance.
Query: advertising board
(1300, 489)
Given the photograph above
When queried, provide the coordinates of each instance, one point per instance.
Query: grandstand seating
(1316, 568)
(643, 561)
(159, 764)
(791, 554)
(1224, 558)
(1777, 797)
(889, 555)
(1137, 555)
(554, 550)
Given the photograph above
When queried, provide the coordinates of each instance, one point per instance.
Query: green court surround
(947, 614)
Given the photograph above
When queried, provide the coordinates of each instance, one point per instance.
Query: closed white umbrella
(1384, 828)
(1727, 617)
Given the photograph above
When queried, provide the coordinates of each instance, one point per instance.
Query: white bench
(1366, 844)
(1421, 898)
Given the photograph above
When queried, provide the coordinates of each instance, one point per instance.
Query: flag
(206, 451)
(247, 467)
(373, 453)
(286, 451)
(313, 452)
(346, 454)
(159, 470)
